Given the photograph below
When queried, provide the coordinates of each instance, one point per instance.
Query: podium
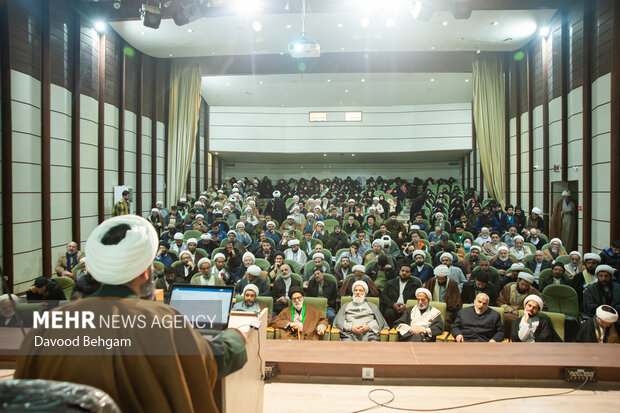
(242, 391)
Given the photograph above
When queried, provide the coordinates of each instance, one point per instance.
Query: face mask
(467, 246)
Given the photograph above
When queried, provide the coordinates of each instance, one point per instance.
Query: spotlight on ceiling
(422, 10)
(150, 15)
(100, 27)
(544, 31)
(461, 9)
(185, 13)
(116, 4)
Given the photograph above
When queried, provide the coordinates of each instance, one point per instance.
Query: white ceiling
(337, 89)
(235, 35)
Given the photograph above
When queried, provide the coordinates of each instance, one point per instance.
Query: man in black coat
(276, 208)
(478, 323)
(396, 293)
(187, 268)
(47, 291)
(319, 286)
(480, 284)
(601, 328)
(280, 288)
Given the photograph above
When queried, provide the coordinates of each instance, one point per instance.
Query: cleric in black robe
(601, 328)
(532, 327)
(276, 208)
(478, 323)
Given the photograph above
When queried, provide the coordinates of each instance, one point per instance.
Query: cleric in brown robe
(300, 317)
(512, 296)
(163, 368)
(445, 290)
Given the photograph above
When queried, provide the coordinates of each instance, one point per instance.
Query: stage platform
(540, 361)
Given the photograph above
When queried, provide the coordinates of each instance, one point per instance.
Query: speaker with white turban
(118, 263)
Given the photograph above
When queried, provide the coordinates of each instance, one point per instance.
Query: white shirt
(401, 287)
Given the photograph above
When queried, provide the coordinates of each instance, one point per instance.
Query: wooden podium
(242, 391)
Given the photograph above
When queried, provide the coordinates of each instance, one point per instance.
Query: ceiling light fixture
(365, 22)
(363, 80)
(257, 26)
(189, 30)
(389, 22)
(494, 22)
(544, 31)
(466, 80)
(461, 9)
(143, 33)
(432, 79)
(100, 26)
(329, 80)
(116, 4)
(478, 51)
(340, 25)
(445, 23)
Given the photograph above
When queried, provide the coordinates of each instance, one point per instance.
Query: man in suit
(538, 264)
(318, 286)
(397, 291)
(281, 287)
(187, 269)
(558, 277)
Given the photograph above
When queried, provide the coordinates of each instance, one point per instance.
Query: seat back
(174, 254)
(159, 266)
(262, 263)
(544, 274)
(294, 265)
(498, 310)
(310, 264)
(67, 284)
(174, 264)
(319, 303)
(561, 299)
(192, 233)
(215, 251)
(564, 259)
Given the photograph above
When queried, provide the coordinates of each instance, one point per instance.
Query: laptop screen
(205, 307)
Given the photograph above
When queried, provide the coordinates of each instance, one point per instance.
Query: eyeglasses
(297, 298)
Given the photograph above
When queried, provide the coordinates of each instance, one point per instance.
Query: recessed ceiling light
(288, 26)
(260, 82)
(466, 80)
(432, 47)
(281, 53)
(170, 54)
(445, 23)
(329, 80)
(227, 84)
(340, 25)
(352, 154)
(494, 22)
(389, 22)
(342, 49)
(212, 52)
(324, 154)
(432, 79)
(143, 33)
(216, 153)
(363, 80)
(189, 30)
(544, 31)
(478, 51)
(365, 22)
(257, 26)
(346, 91)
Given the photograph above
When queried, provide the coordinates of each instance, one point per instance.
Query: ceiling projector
(304, 48)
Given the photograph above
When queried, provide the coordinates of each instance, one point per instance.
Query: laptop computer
(207, 308)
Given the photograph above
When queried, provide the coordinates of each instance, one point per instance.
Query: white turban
(249, 254)
(415, 227)
(310, 214)
(603, 314)
(565, 193)
(290, 217)
(276, 194)
(437, 215)
(441, 271)
(200, 216)
(376, 198)
(447, 255)
(202, 197)
(185, 253)
(218, 255)
(519, 237)
(252, 287)
(248, 209)
(197, 203)
(235, 190)
(154, 210)
(254, 270)
(178, 235)
(527, 277)
(362, 283)
(351, 200)
(271, 223)
(536, 211)
(320, 222)
(575, 253)
(475, 247)
(372, 208)
(318, 255)
(605, 268)
(296, 197)
(359, 267)
(517, 266)
(502, 248)
(202, 261)
(219, 191)
(206, 237)
(424, 291)
(240, 225)
(387, 240)
(182, 200)
(378, 242)
(120, 263)
(534, 297)
(556, 240)
(231, 232)
(419, 252)
(592, 256)
(194, 240)
(6, 297)
(293, 242)
(159, 202)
